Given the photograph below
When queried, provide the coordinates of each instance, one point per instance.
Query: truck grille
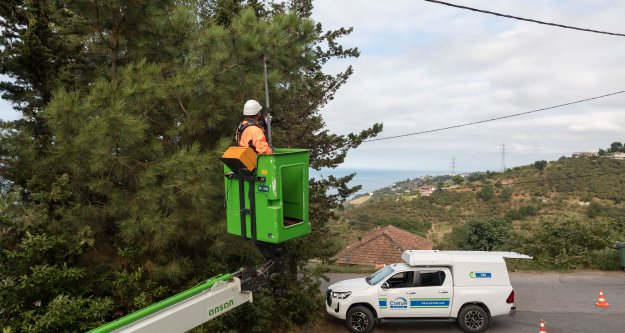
(329, 297)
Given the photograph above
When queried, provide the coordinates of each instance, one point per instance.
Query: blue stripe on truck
(429, 302)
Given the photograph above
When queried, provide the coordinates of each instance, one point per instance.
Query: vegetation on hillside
(567, 213)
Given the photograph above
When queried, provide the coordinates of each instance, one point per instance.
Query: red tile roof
(381, 246)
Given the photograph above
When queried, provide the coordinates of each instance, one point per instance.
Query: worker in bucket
(251, 132)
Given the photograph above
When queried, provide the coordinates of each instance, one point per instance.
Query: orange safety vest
(251, 134)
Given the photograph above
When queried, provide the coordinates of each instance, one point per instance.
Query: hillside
(584, 194)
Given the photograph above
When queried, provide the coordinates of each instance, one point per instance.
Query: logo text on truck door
(399, 303)
(480, 275)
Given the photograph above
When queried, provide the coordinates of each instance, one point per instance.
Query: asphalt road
(565, 301)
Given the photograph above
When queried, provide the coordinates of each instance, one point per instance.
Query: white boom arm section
(437, 257)
(194, 311)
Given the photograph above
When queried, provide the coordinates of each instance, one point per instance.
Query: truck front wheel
(359, 319)
(473, 319)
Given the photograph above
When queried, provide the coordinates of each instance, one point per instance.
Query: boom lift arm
(196, 305)
(186, 310)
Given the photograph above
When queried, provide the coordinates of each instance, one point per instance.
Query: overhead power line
(526, 19)
(493, 119)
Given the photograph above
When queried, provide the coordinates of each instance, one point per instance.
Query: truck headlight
(341, 295)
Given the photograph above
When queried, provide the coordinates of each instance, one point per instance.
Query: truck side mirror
(385, 285)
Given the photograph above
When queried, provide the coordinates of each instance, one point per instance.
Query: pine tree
(133, 142)
(32, 53)
(36, 54)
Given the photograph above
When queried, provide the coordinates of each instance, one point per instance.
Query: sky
(424, 66)
(6, 110)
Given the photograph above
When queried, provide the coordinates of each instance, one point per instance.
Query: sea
(374, 179)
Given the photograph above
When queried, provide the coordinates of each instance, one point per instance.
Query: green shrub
(567, 243)
(540, 165)
(594, 209)
(486, 235)
(487, 193)
(521, 212)
(528, 211)
(606, 259)
(506, 194)
(513, 214)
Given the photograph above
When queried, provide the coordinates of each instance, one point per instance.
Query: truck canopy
(470, 268)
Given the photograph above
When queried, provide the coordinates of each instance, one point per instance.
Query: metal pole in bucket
(268, 115)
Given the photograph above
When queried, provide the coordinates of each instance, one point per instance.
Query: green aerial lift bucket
(279, 201)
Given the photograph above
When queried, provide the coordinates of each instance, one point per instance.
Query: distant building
(617, 156)
(427, 190)
(381, 246)
(583, 154)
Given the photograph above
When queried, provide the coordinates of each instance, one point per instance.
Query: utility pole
(503, 157)
(453, 166)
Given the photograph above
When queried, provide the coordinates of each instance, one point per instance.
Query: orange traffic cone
(542, 327)
(602, 303)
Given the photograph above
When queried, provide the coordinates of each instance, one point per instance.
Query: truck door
(395, 293)
(434, 293)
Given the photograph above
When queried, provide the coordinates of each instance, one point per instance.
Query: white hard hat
(251, 108)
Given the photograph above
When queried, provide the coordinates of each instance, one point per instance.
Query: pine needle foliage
(112, 193)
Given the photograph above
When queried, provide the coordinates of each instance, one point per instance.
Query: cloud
(426, 66)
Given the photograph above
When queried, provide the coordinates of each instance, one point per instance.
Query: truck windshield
(379, 275)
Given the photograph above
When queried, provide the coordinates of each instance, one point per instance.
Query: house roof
(381, 246)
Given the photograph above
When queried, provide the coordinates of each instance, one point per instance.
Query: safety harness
(247, 122)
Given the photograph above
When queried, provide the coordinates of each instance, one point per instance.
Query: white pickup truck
(469, 287)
